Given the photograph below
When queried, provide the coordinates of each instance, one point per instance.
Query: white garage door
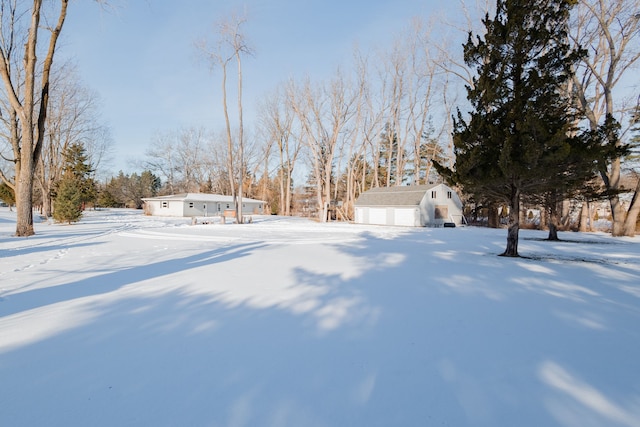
(378, 216)
(406, 217)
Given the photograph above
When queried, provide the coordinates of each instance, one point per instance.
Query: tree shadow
(109, 282)
(8, 253)
(416, 330)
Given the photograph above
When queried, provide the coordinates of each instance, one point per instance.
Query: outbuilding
(199, 204)
(435, 205)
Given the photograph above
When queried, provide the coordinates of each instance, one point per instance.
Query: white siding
(448, 203)
(165, 208)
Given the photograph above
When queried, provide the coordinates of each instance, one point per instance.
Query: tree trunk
(611, 181)
(24, 195)
(514, 224)
(287, 199)
(554, 222)
(239, 213)
(617, 216)
(544, 219)
(584, 217)
(327, 189)
(630, 223)
(225, 107)
(319, 202)
(32, 131)
(281, 208)
(493, 218)
(565, 214)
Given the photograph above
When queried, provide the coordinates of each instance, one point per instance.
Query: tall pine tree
(517, 136)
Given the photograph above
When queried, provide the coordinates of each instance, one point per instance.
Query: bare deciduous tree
(72, 119)
(278, 124)
(610, 31)
(182, 158)
(323, 113)
(231, 45)
(30, 102)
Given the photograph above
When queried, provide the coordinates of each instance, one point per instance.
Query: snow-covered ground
(126, 320)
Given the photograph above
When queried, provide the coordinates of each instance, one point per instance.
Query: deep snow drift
(126, 320)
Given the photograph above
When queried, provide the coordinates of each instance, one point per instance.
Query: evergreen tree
(516, 139)
(575, 165)
(430, 150)
(106, 199)
(144, 185)
(67, 205)
(129, 190)
(388, 168)
(77, 167)
(76, 186)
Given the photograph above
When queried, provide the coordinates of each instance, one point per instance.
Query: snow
(127, 320)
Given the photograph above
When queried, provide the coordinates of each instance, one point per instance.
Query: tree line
(385, 119)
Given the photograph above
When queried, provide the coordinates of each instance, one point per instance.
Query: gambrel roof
(394, 196)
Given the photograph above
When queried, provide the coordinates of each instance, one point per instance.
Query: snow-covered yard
(126, 320)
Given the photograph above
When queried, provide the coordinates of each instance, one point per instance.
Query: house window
(448, 194)
(165, 204)
(228, 206)
(191, 205)
(433, 194)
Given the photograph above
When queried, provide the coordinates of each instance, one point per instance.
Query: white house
(198, 204)
(413, 206)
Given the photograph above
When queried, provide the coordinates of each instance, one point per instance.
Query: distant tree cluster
(127, 191)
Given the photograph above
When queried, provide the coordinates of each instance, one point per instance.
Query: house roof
(199, 197)
(394, 196)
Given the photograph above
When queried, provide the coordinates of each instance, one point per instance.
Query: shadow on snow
(428, 333)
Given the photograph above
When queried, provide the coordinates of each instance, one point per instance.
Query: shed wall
(439, 197)
(445, 200)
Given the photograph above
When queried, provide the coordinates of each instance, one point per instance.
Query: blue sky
(142, 62)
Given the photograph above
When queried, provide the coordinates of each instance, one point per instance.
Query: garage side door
(405, 217)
